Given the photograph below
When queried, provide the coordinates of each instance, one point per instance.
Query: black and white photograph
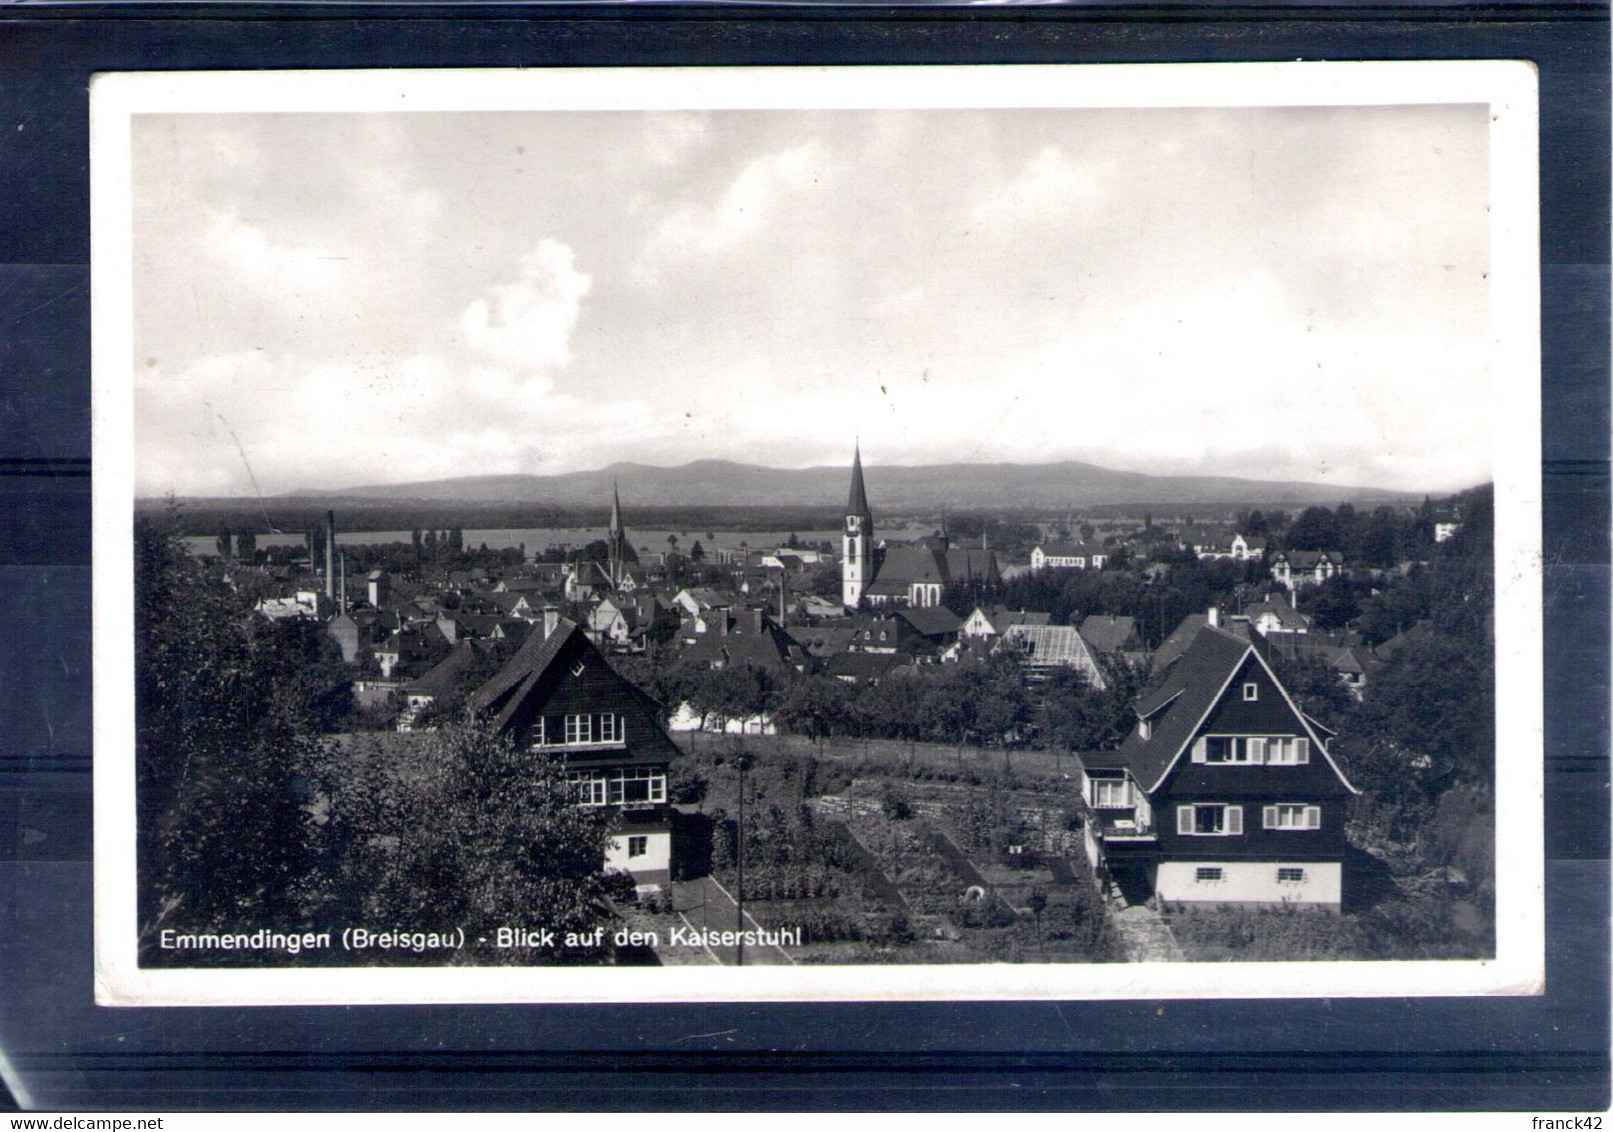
(1012, 532)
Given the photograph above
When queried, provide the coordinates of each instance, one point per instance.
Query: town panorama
(395, 730)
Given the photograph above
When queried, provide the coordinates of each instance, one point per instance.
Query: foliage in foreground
(249, 816)
(454, 827)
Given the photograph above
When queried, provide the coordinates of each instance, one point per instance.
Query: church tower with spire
(856, 562)
(616, 538)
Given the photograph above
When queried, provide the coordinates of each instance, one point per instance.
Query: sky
(329, 300)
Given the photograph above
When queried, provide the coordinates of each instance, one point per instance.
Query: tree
(814, 706)
(1333, 604)
(1316, 529)
(223, 740)
(1428, 718)
(457, 828)
(697, 553)
(1073, 715)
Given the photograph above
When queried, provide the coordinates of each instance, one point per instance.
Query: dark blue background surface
(1544, 1053)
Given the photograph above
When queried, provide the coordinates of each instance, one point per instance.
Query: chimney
(1214, 617)
(343, 586)
(551, 621)
(330, 555)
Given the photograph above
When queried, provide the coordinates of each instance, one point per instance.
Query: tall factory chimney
(330, 556)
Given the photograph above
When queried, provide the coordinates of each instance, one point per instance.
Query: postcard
(817, 534)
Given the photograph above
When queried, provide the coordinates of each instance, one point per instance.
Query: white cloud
(527, 324)
(766, 189)
(290, 271)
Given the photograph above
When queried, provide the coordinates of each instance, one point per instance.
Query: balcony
(1124, 826)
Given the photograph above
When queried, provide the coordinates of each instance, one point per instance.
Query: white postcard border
(1509, 88)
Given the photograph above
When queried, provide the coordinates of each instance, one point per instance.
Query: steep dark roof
(857, 502)
(764, 646)
(1185, 691)
(500, 695)
(931, 621)
(863, 667)
(968, 563)
(442, 677)
(1107, 634)
(904, 565)
(1177, 643)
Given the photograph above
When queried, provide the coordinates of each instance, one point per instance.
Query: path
(704, 903)
(1145, 935)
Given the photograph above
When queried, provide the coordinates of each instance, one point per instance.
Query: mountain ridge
(891, 487)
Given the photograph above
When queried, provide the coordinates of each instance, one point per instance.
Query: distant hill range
(891, 489)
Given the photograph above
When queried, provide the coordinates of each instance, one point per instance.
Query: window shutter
(1198, 750)
(1184, 819)
(1302, 750)
(1268, 817)
(1257, 751)
(1313, 817)
(1234, 819)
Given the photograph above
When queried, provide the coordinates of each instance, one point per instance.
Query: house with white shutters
(1224, 792)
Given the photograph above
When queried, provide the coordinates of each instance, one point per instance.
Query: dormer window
(1251, 692)
(1145, 729)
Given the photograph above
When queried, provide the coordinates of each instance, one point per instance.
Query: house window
(1234, 749)
(1251, 691)
(1144, 728)
(639, 846)
(1209, 820)
(1291, 815)
(1209, 874)
(576, 669)
(1290, 876)
(1110, 793)
(1288, 752)
(610, 728)
(637, 786)
(579, 729)
(591, 789)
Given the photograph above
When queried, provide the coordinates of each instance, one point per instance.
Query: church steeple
(857, 504)
(616, 537)
(856, 564)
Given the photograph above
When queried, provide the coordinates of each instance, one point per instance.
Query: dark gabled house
(1224, 792)
(451, 678)
(937, 625)
(559, 694)
(741, 638)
